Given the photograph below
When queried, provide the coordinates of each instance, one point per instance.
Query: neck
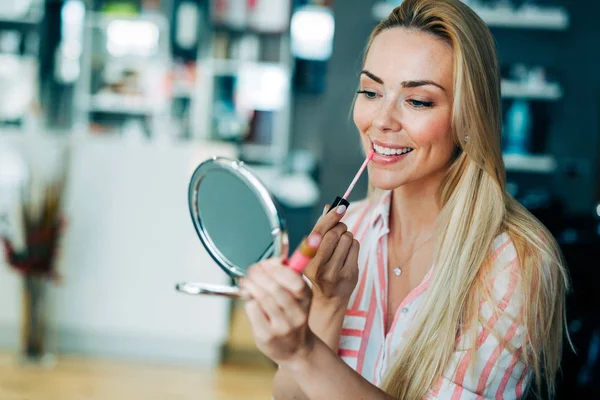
(414, 209)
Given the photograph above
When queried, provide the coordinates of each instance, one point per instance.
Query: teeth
(389, 152)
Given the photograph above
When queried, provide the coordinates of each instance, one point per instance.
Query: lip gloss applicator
(344, 199)
(306, 251)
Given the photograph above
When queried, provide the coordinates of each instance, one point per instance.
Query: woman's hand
(277, 305)
(333, 271)
(278, 302)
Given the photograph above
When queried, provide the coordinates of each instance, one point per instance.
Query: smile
(387, 151)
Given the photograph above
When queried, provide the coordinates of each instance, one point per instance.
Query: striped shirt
(493, 373)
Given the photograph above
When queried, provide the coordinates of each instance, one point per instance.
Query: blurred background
(107, 107)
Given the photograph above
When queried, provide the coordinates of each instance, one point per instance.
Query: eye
(420, 104)
(368, 94)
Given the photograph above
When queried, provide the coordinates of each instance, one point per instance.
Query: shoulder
(524, 272)
(503, 295)
(502, 269)
(503, 255)
(488, 361)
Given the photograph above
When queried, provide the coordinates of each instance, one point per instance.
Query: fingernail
(314, 240)
(341, 209)
(324, 210)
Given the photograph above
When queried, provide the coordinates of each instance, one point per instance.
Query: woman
(457, 292)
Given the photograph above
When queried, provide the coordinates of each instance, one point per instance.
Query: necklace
(398, 269)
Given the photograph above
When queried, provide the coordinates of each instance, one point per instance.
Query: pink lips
(387, 145)
(387, 160)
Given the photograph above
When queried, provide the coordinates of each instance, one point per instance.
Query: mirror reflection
(234, 219)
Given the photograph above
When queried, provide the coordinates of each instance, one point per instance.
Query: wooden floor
(86, 379)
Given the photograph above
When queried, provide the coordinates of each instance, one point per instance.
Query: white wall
(10, 303)
(129, 240)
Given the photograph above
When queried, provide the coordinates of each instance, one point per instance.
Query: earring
(466, 138)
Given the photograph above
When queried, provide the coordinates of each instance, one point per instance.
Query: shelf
(555, 18)
(101, 20)
(231, 67)
(263, 153)
(182, 90)
(258, 85)
(221, 28)
(122, 104)
(551, 18)
(33, 17)
(547, 91)
(224, 67)
(294, 190)
(542, 164)
(27, 21)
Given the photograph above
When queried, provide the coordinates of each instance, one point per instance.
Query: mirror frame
(270, 206)
(198, 288)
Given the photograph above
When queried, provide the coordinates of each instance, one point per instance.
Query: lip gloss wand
(306, 251)
(344, 199)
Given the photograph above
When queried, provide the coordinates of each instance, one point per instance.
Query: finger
(259, 322)
(329, 243)
(341, 250)
(255, 285)
(288, 279)
(296, 305)
(329, 220)
(325, 210)
(264, 277)
(352, 258)
(296, 288)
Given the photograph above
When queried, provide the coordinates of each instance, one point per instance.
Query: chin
(384, 181)
(386, 185)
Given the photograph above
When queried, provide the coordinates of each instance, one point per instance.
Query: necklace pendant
(397, 271)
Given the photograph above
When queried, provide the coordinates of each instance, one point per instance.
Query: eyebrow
(405, 84)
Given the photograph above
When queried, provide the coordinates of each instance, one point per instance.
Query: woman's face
(404, 107)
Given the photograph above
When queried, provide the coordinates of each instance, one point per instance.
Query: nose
(387, 118)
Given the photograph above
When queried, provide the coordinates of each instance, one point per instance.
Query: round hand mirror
(237, 220)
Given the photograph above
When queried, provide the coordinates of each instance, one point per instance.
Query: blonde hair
(475, 209)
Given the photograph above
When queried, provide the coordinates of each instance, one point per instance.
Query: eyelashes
(368, 94)
(418, 104)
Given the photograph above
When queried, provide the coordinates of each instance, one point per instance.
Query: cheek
(362, 115)
(434, 133)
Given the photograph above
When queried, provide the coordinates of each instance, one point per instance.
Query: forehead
(400, 54)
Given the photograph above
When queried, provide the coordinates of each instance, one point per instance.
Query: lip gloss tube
(304, 253)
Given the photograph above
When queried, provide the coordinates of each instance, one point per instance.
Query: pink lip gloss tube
(304, 253)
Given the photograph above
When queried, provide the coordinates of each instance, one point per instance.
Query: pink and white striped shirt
(494, 373)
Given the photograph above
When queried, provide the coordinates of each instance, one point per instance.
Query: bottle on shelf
(518, 128)
(269, 16)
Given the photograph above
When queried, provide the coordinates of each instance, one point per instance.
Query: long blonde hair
(475, 210)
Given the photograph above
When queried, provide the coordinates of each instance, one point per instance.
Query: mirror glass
(237, 220)
(234, 219)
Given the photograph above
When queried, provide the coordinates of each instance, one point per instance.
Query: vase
(36, 343)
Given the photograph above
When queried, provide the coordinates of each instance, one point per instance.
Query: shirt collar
(381, 208)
